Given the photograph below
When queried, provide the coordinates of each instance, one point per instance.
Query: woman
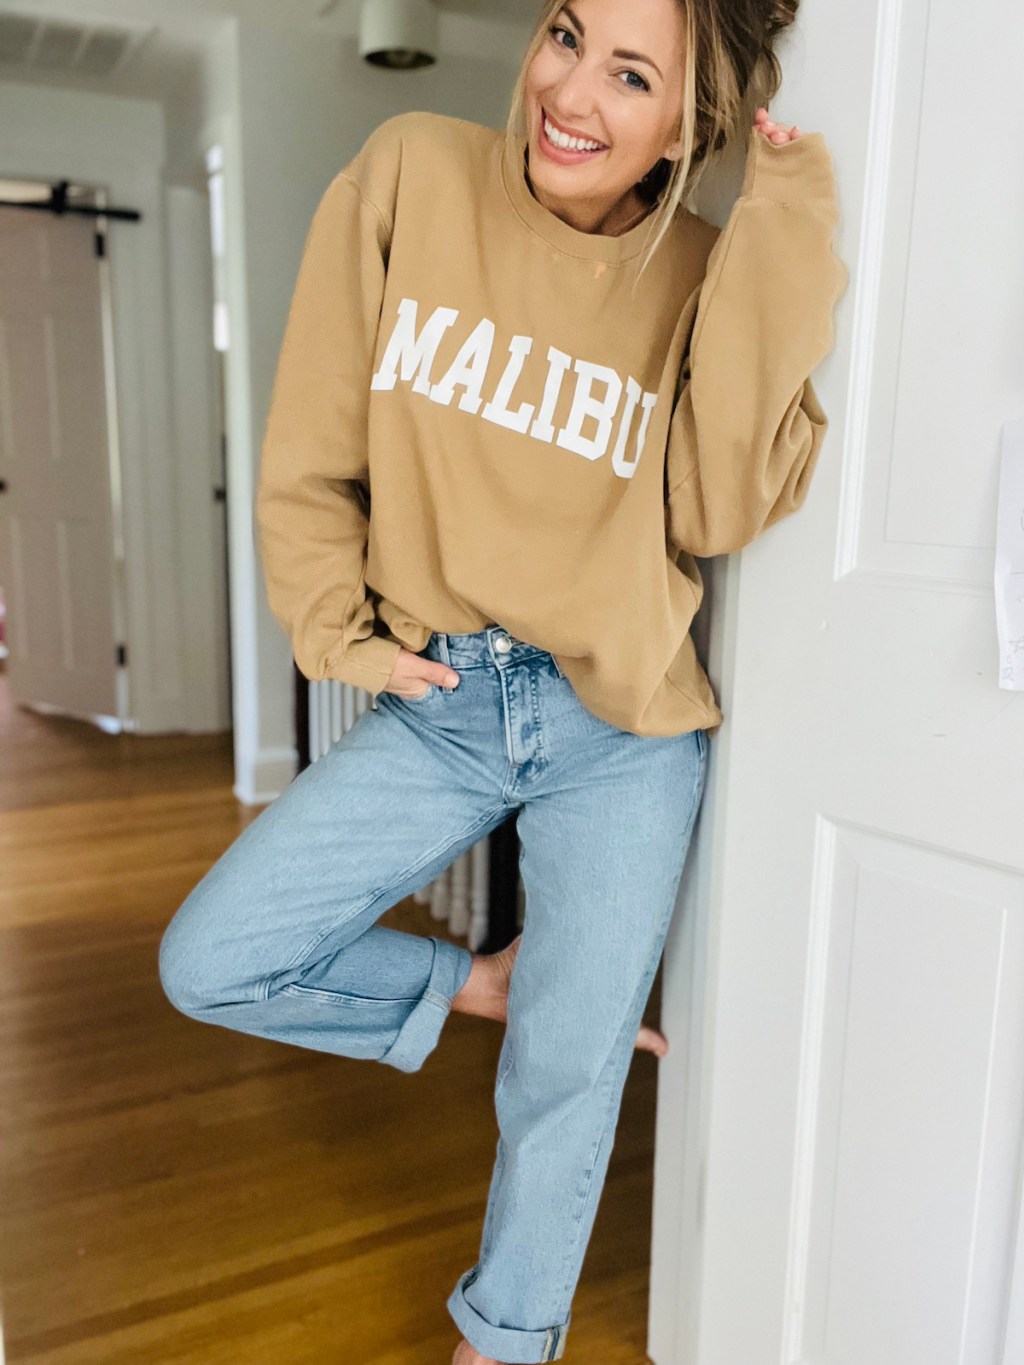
(559, 386)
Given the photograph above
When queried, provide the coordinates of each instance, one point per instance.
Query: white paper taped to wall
(1009, 571)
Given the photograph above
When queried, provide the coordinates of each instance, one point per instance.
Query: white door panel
(841, 1117)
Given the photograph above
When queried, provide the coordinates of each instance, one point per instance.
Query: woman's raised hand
(775, 132)
(411, 669)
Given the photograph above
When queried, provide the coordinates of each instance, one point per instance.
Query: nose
(572, 99)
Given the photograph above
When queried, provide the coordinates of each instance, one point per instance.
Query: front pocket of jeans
(431, 687)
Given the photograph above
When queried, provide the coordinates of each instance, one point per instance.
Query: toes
(651, 1040)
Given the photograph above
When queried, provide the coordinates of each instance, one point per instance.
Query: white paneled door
(57, 546)
(841, 1117)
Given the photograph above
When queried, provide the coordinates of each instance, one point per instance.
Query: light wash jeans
(279, 938)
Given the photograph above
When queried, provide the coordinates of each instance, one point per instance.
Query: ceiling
(143, 47)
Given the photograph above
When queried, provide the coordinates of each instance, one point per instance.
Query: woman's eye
(556, 29)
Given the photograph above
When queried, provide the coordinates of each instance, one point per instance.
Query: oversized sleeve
(747, 427)
(312, 502)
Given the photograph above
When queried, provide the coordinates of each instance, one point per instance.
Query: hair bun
(781, 13)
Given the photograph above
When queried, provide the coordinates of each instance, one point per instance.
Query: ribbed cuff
(418, 1036)
(788, 172)
(365, 663)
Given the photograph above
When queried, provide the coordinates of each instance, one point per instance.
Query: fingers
(775, 132)
(414, 668)
(429, 672)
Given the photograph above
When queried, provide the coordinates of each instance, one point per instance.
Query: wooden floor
(173, 1193)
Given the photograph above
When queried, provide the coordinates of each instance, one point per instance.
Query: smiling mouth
(580, 154)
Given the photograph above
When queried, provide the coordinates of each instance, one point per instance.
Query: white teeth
(573, 144)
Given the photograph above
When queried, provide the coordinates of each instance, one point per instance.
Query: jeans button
(502, 644)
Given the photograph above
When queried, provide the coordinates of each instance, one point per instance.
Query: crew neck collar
(593, 246)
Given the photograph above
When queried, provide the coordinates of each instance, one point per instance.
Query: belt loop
(558, 668)
(442, 647)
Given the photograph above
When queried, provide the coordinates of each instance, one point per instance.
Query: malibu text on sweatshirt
(476, 420)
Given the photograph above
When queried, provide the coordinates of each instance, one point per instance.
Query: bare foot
(485, 993)
(466, 1355)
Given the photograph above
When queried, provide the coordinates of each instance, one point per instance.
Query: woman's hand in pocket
(412, 675)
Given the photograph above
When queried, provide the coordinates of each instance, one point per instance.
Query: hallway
(175, 1192)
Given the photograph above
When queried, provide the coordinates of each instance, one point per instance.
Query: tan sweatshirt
(542, 451)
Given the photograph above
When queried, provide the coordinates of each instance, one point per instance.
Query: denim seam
(608, 1089)
(503, 1069)
(340, 997)
(542, 755)
(375, 896)
(506, 727)
(622, 1049)
(487, 1235)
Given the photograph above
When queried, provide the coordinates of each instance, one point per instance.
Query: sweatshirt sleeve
(747, 427)
(312, 503)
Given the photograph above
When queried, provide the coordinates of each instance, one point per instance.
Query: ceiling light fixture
(398, 34)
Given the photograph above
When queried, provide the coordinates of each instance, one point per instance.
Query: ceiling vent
(29, 43)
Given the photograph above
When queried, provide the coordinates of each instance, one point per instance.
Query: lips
(563, 155)
(568, 132)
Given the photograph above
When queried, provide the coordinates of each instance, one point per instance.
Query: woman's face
(631, 105)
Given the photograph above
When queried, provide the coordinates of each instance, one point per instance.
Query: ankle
(481, 993)
(468, 1355)
(465, 999)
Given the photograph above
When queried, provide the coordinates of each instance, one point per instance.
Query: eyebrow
(619, 51)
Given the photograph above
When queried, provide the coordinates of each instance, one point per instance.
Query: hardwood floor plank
(174, 1193)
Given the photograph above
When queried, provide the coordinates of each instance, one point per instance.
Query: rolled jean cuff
(510, 1344)
(418, 1036)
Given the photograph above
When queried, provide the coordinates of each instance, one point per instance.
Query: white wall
(290, 108)
(306, 104)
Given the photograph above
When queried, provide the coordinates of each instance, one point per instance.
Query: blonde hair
(729, 68)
